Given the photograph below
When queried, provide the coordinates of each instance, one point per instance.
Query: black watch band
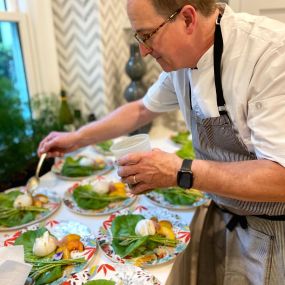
(185, 176)
(186, 164)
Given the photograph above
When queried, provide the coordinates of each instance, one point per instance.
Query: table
(159, 139)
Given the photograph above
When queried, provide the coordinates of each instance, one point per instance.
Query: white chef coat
(253, 78)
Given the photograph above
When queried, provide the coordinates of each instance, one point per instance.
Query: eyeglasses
(142, 38)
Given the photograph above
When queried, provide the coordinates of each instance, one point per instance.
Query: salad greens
(127, 243)
(72, 168)
(87, 198)
(105, 145)
(10, 216)
(179, 196)
(45, 269)
(181, 137)
(186, 151)
(100, 282)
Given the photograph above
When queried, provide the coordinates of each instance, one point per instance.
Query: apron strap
(218, 51)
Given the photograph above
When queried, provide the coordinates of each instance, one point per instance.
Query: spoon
(30, 281)
(34, 181)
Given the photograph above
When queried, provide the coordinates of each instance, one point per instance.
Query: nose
(144, 50)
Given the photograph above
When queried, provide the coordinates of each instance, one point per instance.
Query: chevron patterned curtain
(93, 48)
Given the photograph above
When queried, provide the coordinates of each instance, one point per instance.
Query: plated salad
(97, 196)
(54, 252)
(104, 147)
(80, 166)
(133, 235)
(19, 209)
(143, 237)
(177, 198)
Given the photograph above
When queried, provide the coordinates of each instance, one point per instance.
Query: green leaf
(72, 168)
(181, 137)
(179, 196)
(28, 238)
(186, 151)
(16, 216)
(87, 198)
(124, 226)
(105, 145)
(7, 199)
(50, 276)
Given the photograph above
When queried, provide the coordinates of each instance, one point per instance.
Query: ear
(190, 17)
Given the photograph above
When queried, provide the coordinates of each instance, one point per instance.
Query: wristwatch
(185, 175)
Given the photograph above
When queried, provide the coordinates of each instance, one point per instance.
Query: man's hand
(59, 143)
(149, 170)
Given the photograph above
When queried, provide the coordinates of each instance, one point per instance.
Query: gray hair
(167, 7)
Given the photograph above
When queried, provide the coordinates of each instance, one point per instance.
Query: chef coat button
(258, 105)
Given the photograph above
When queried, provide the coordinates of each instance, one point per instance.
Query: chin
(167, 67)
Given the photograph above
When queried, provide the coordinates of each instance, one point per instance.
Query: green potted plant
(19, 137)
(14, 150)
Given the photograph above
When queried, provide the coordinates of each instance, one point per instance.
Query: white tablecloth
(160, 139)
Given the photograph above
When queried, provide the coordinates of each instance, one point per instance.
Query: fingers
(140, 188)
(132, 158)
(137, 185)
(46, 142)
(132, 179)
(49, 145)
(126, 171)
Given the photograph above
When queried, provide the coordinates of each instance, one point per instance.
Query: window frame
(21, 21)
(37, 38)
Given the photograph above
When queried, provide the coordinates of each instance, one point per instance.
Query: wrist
(79, 140)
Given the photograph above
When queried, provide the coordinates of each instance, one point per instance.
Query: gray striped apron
(233, 242)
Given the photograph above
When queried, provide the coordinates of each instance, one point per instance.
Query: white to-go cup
(136, 143)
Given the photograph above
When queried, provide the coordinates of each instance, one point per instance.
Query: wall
(93, 48)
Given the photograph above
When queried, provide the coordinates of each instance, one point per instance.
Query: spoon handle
(42, 158)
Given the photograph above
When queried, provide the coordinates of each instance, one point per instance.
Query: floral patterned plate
(52, 206)
(71, 204)
(60, 229)
(56, 168)
(159, 200)
(124, 274)
(163, 254)
(118, 273)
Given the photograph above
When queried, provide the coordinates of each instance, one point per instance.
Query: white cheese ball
(145, 227)
(85, 161)
(101, 187)
(44, 245)
(23, 200)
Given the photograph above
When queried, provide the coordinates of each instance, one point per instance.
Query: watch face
(185, 179)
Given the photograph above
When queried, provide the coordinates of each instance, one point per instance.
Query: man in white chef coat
(226, 73)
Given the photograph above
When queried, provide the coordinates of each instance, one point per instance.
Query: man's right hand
(59, 143)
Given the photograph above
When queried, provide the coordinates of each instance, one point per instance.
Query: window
(12, 64)
(2, 5)
(16, 149)
(26, 73)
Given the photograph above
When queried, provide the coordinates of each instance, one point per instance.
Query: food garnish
(81, 166)
(134, 236)
(48, 255)
(17, 208)
(99, 194)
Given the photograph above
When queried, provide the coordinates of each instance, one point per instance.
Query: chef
(226, 73)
